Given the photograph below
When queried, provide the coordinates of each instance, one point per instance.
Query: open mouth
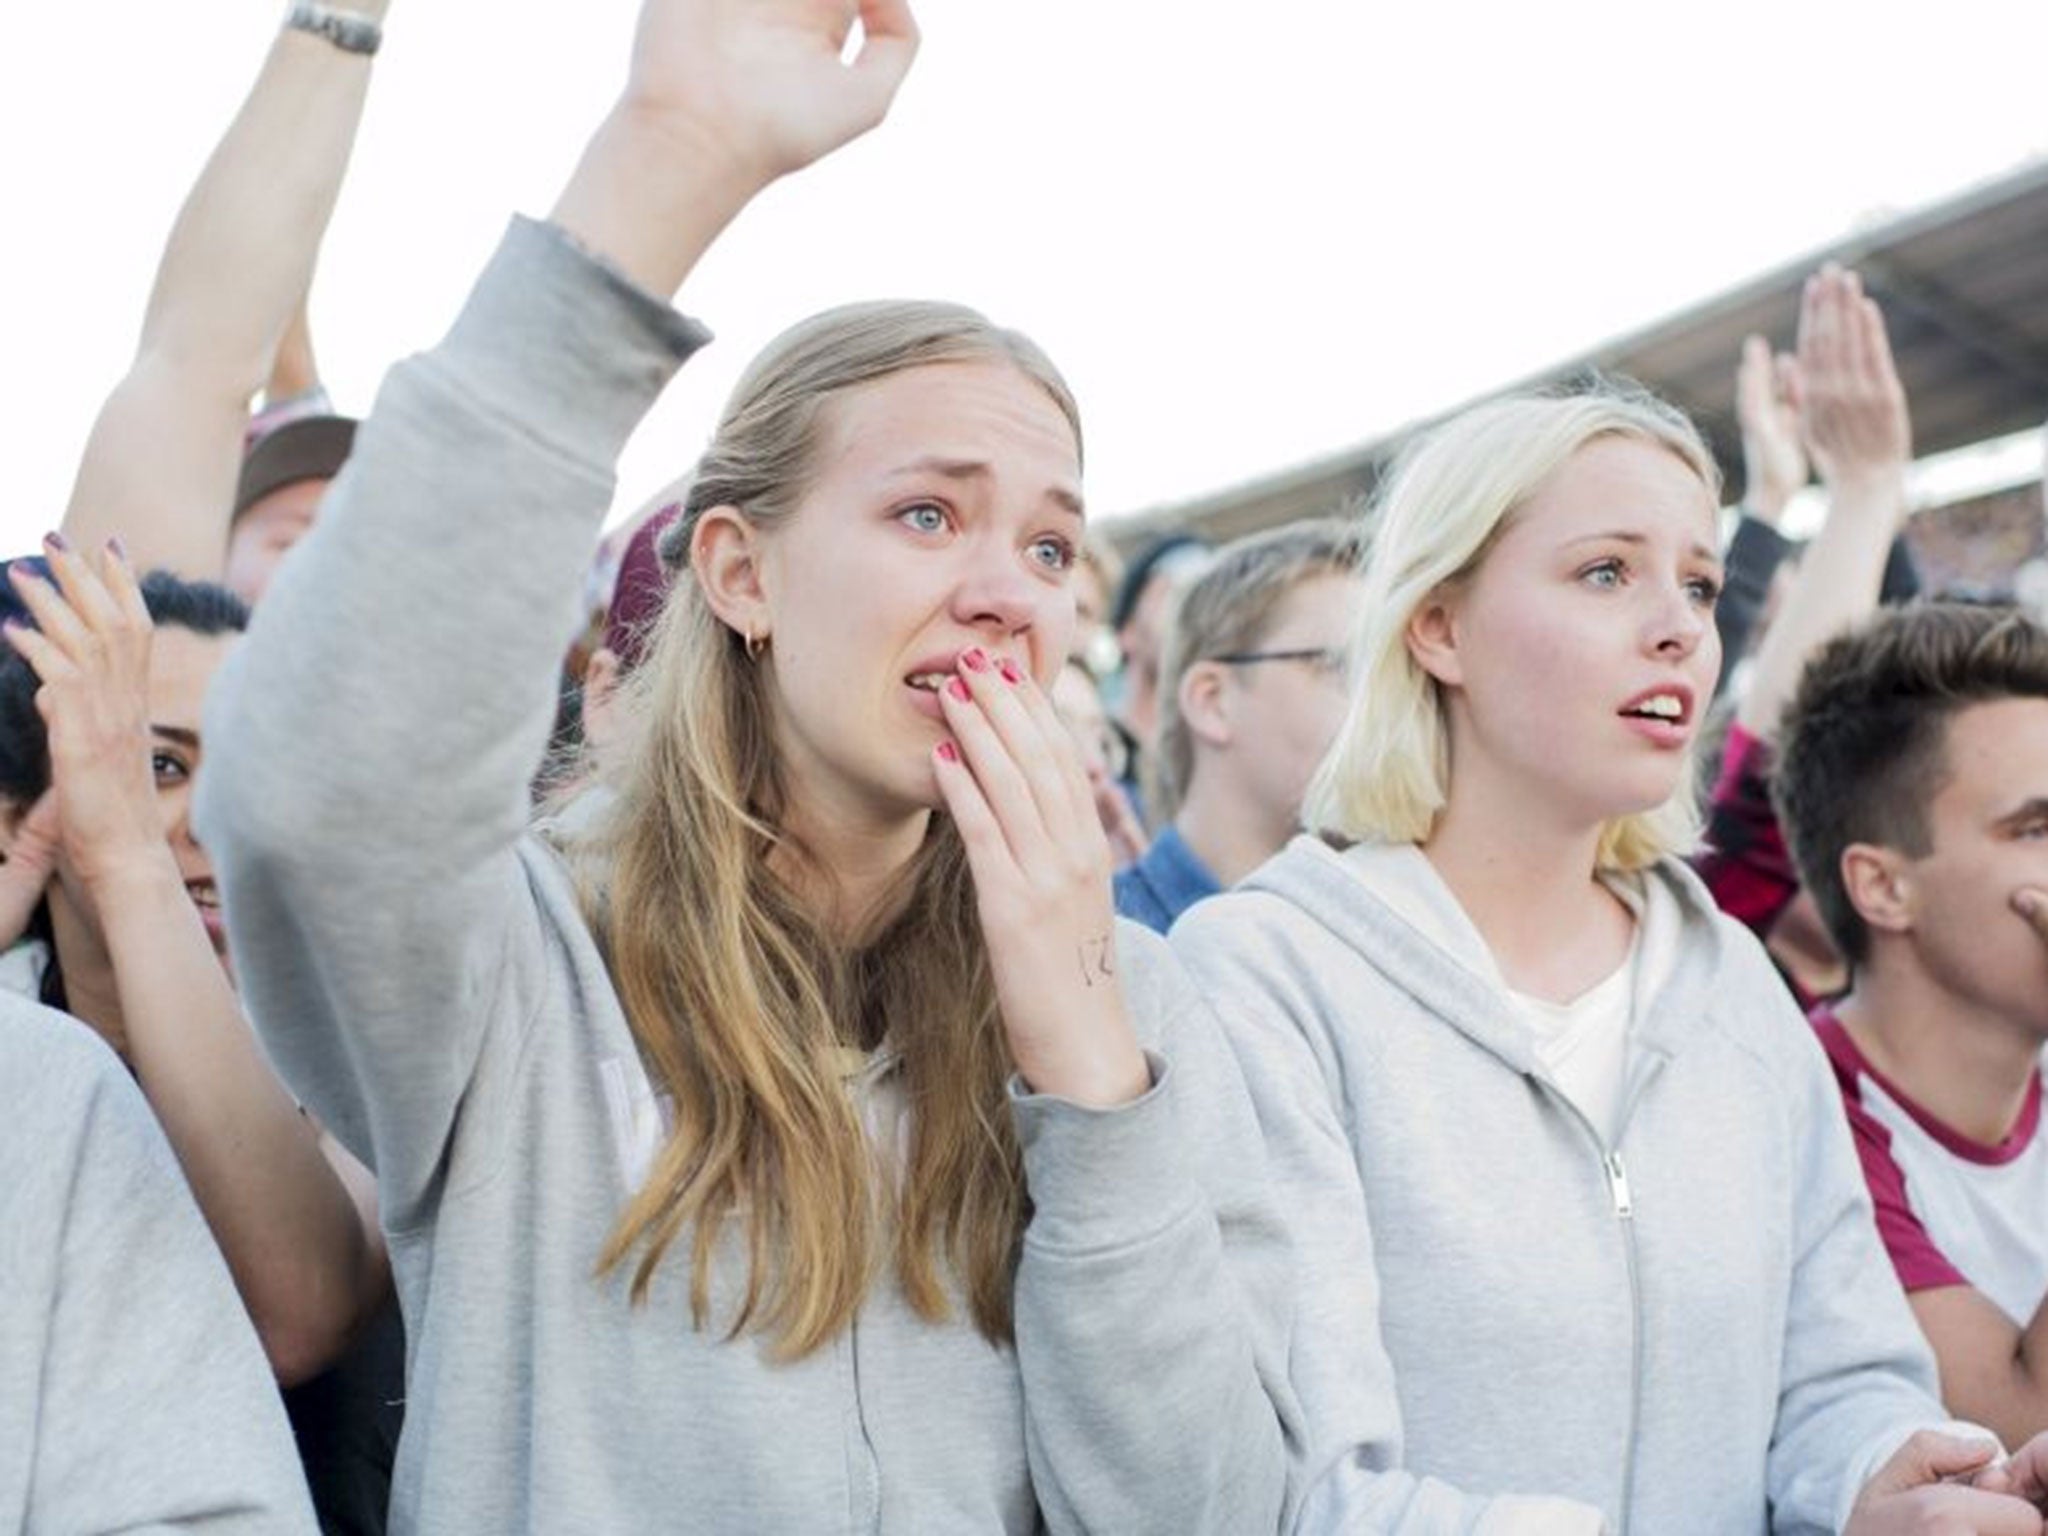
(1668, 706)
(937, 671)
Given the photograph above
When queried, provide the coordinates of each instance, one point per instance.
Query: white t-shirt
(1583, 1044)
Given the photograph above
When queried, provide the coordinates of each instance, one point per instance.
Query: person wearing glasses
(1252, 692)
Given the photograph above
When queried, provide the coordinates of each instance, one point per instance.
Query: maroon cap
(640, 591)
(311, 448)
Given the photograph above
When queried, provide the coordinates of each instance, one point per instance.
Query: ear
(725, 557)
(1879, 883)
(1432, 638)
(1205, 703)
(600, 691)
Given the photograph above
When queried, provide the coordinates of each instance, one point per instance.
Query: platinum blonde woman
(1581, 1223)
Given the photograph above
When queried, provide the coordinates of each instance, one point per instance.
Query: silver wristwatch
(348, 31)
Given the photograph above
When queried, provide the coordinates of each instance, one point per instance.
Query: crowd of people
(851, 1009)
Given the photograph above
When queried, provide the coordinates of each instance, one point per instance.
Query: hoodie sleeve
(1345, 1447)
(370, 743)
(1153, 1287)
(1857, 1377)
(138, 1398)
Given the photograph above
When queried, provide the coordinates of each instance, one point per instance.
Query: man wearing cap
(283, 481)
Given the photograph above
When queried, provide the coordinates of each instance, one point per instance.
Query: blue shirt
(1164, 883)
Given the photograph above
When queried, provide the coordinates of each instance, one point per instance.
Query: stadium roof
(1964, 285)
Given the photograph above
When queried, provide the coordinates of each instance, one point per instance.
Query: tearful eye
(1055, 554)
(924, 517)
(1705, 590)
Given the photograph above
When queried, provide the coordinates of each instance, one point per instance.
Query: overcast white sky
(1250, 234)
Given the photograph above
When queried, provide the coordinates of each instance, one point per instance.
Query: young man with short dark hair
(1913, 780)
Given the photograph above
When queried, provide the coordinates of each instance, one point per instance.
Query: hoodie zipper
(1615, 1170)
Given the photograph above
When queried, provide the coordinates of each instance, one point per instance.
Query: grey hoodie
(134, 1395)
(1693, 1329)
(419, 969)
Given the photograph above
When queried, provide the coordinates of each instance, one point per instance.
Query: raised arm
(1860, 437)
(294, 371)
(160, 464)
(366, 830)
(1774, 470)
(723, 97)
(295, 1219)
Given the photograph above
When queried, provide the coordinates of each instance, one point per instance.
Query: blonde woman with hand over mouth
(786, 1140)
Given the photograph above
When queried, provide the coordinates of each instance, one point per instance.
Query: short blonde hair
(1436, 517)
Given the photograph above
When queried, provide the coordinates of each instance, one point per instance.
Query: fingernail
(958, 689)
(1010, 672)
(57, 541)
(974, 659)
(120, 550)
(948, 753)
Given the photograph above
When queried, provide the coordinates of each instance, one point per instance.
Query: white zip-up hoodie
(1689, 1327)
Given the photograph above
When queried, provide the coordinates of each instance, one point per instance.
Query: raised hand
(1850, 401)
(764, 79)
(1773, 453)
(91, 651)
(722, 97)
(1016, 790)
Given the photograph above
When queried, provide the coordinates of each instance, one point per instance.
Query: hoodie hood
(1318, 879)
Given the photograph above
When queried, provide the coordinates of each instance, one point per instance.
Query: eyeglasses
(1328, 661)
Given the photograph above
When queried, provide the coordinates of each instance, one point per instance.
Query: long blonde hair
(742, 1004)
(1433, 521)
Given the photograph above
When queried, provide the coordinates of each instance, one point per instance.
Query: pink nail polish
(974, 659)
(1010, 672)
(948, 753)
(57, 541)
(958, 689)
